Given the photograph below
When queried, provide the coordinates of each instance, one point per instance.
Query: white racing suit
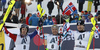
(53, 41)
(81, 38)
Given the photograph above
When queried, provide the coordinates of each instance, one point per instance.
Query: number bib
(52, 42)
(52, 46)
(2, 41)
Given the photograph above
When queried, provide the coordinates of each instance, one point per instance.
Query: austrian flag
(69, 9)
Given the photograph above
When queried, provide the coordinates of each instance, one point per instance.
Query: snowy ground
(32, 9)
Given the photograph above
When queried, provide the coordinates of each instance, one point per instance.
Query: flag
(70, 9)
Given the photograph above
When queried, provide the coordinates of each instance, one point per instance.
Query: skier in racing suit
(81, 36)
(22, 41)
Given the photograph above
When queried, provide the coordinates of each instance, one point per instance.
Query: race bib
(52, 46)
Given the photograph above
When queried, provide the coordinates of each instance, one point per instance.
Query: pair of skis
(92, 32)
(2, 35)
(42, 12)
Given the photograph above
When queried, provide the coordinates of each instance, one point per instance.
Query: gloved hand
(40, 23)
(66, 18)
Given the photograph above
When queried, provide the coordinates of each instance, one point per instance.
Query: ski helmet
(54, 26)
(24, 26)
(80, 22)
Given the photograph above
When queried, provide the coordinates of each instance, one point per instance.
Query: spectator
(58, 19)
(39, 2)
(96, 3)
(89, 18)
(82, 12)
(80, 3)
(54, 20)
(74, 16)
(27, 18)
(75, 20)
(8, 18)
(14, 17)
(86, 14)
(48, 21)
(0, 5)
(17, 7)
(3, 4)
(50, 6)
(45, 15)
(83, 18)
(23, 9)
(33, 20)
(44, 18)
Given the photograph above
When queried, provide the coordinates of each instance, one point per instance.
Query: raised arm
(37, 31)
(34, 33)
(13, 36)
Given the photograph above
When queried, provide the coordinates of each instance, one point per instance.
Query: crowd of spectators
(48, 19)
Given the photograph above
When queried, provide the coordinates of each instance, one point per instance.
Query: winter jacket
(3, 1)
(96, 2)
(81, 1)
(23, 8)
(17, 4)
(86, 16)
(48, 22)
(74, 21)
(15, 19)
(33, 20)
(27, 18)
(50, 5)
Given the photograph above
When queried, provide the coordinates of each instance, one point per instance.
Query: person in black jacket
(14, 17)
(50, 6)
(80, 3)
(96, 3)
(39, 2)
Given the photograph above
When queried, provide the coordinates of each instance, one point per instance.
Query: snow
(33, 9)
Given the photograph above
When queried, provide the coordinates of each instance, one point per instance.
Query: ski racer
(22, 41)
(53, 40)
(81, 36)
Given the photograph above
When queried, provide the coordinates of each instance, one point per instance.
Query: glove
(66, 18)
(40, 23)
